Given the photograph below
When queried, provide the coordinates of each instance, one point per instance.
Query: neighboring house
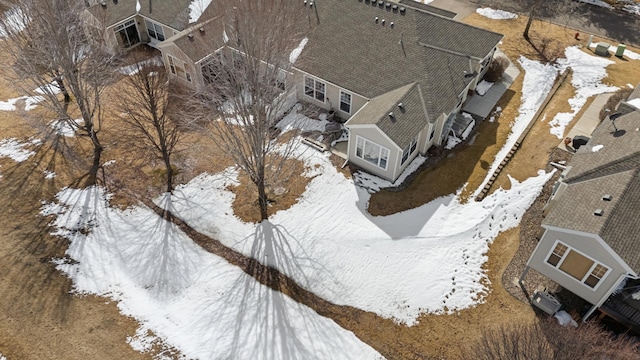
(397, 74)
(127, 23)
(591, 240)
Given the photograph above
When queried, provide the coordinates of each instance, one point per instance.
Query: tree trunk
(63, 89)
(532, 14)
(95, 166)
(263, 201)
(167, 164)
(526, 28)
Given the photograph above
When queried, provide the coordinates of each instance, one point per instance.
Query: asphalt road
(616, 25)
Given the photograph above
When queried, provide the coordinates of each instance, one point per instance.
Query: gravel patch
(530, 233)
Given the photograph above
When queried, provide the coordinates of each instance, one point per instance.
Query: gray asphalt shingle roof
(173, 13)
(407, 121)
(350, 48)
(200, 45)
(614, 169)
(429, 8)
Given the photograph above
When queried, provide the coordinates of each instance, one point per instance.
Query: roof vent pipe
(201, 30)
(376, 19)
(382, 22)
(104, 4)
(400, 105)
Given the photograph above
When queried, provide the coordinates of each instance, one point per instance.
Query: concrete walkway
(461, 8)
(588, 121)
(481, 105)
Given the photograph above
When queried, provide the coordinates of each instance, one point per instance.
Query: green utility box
(620, 50)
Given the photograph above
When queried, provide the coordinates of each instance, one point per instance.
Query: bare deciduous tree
(245, 91)
(50, 53)
(146, 111)
(535, 7)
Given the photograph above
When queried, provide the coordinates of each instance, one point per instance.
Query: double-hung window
(345, 102)
(372, 152)
(577, 265)
(314, 88)
(155, 30)
(409, 150)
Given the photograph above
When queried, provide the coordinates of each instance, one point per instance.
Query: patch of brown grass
(281, 196)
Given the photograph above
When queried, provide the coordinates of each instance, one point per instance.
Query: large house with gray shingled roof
(397, 74)
(591, 240)
(127, 23)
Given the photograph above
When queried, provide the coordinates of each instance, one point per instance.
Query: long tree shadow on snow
(268, 315)
(268, 323)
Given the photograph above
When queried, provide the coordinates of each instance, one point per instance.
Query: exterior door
(127, 34)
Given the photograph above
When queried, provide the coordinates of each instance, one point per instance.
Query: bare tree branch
(51, 54)
(146, 111)
(245, 93)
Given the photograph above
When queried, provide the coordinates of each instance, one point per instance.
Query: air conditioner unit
(545, 302)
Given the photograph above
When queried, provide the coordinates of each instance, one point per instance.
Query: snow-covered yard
(426, 260)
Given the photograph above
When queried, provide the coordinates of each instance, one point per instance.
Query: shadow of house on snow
(433, 185)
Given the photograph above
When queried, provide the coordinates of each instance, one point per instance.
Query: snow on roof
(196, 8)
(634, 102)
(496, 14)
(296, 52)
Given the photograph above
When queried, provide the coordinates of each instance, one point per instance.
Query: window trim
(314, 89)
(155, 31)
(342, 92)
(408, 151)
(382, 148)
(122, 27)
(586, 275)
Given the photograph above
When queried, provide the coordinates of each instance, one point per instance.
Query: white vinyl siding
(371, 152)
(577, 265)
